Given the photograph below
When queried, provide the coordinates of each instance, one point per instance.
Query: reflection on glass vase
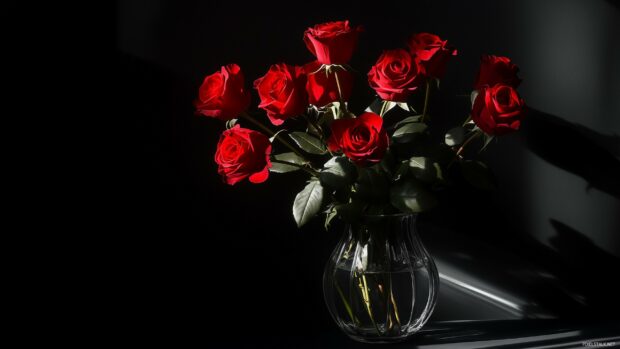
(380, 284)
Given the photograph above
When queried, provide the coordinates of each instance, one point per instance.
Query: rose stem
(382, 111)
(365, 294)
(346, 304)
(426, 96)
(462, 148)
(394, 301)
(342, 104)
(310, 171)
(271, 133)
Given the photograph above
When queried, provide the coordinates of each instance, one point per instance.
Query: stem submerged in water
(363, 285)
(346, 304)
(394, 302)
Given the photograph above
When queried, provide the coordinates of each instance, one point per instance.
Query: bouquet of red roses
(357, 162)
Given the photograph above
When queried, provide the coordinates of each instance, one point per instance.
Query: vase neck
(385, 227)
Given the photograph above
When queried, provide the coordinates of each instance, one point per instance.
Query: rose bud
(222, 94)
(332, 42)
(243, 153)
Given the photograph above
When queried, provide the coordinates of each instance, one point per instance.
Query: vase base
(371, 336)
(378, 340)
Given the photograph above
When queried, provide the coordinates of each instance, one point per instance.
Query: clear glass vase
(380, 284)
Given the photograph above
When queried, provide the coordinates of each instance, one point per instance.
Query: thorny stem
(426, 97)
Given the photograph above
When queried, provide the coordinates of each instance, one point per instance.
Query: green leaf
(308, 202)
(406, 132)
(308, 143)
(411, 196)
(408, 120)
(337, 173)
(425, 169)
(277, 167)
(455, 136)
(290, 157)
(478, 174)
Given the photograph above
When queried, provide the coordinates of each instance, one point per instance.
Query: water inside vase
(376, 303)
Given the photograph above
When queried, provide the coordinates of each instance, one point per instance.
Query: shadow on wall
(576, 149)
(590, 268)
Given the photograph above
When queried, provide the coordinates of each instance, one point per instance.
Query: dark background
(227, 267)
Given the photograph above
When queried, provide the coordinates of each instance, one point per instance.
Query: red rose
(496, 70)
(433, 53)
(498, 110)
(243, 153)
(322, 87)
(282, 92)
(363, 139)
(395, 75)
(332, 42)
(222, 94)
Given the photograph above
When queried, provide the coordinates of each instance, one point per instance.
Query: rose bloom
(243, 153)
(363, 139)
(322, 88)
(496, 70)
(282, 92)
(222, 94)
(332, 42)
(395, 75)
(433, 53)
(498, 110)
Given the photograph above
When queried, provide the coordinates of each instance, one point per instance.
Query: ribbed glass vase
(380, 284)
